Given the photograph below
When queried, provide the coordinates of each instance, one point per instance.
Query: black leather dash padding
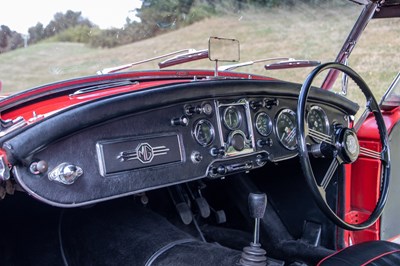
(82, 116)
(373, 253)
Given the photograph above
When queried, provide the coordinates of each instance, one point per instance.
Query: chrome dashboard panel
(147, 139)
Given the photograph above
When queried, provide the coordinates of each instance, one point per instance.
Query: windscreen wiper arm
(292, 64)
(122, 67)
(184, 58)
(283, 63)
(249, 63)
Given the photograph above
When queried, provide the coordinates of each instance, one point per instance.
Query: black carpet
(121, 234)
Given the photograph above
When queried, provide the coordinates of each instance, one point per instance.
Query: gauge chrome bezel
(292, 113)
(269, 124)
(212, 132)
(239, 114)
(325, 122)
(207, 108)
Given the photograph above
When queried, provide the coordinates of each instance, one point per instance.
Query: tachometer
(318, 120)
(286, 128)
(204, 132)
(232, 118)
(263, 124)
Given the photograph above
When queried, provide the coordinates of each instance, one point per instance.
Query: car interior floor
(187, 224)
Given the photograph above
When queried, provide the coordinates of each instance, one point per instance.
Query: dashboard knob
(196, 157)
(180, 121)
(39, 167)
(217, 151)
(215, 171)
(221, 170)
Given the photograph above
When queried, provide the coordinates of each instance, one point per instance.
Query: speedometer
(318, 120)
(286, 128)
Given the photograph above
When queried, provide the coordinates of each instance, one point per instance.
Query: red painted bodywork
(362, 180)
(148, 79)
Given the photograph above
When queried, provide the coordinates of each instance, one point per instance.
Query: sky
(19, 15)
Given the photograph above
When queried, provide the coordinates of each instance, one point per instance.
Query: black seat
(373, 253)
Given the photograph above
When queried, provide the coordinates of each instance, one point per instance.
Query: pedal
(194, 191)
(219, 216)
(180, 200)
(204, 208)
(184, 212)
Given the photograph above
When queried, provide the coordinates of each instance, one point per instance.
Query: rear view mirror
(223, 49)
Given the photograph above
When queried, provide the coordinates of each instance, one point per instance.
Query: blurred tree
(65, 21)
(9, 40)
(160, 15)
(36, 33)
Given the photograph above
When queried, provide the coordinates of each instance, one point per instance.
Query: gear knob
(257, 205)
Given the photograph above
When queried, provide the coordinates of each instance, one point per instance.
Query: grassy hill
(301, 32)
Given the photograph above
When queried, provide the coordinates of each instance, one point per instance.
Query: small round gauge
(263, 124)
(204, 132)
(232, 118)
(318, 120)
(286, 128)
(207, 108)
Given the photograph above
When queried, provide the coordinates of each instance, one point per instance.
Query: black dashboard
(149, 139)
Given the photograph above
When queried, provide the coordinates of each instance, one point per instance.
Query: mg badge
(144, 152)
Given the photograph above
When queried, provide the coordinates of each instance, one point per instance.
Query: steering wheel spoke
(319, 136)
(329, 174)
(370, 153)
(362, 119)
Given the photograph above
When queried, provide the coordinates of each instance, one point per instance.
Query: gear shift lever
(254, 255)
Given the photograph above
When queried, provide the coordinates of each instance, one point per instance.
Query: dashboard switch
(256, 104)
(191, 110)
(269, 103)
(264, 142)
(65, 173)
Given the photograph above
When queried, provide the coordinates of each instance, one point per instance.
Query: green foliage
(199, 12)
(80, 33)
(104, 38)
(61, 25)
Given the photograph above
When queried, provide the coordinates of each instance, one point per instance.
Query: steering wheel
(343, 147)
